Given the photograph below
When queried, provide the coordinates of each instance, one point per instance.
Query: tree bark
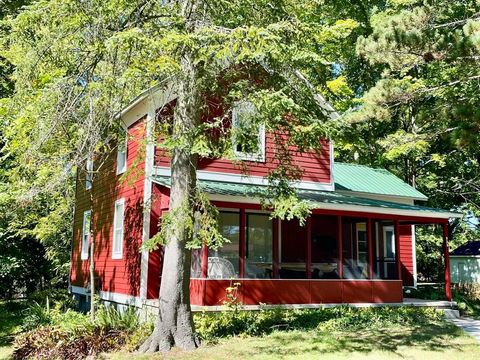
(174, 325)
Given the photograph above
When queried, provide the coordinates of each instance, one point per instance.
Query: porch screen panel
(293, 250)
(259, 240)
(355, 249)
(223, 263)
(324, 247)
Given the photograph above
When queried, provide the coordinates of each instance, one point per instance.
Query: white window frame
(245, 106)
(122, 154)
(119, 253)
(88, 176)
(361, 228)
(85, 244)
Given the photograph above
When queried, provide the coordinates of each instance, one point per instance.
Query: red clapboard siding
(314, 165)
(406, 256)
(122, 275)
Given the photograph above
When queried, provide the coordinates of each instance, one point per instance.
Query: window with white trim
(117, 248)
(89, 175)
(122, 156)
(87, 216)
(248, 136)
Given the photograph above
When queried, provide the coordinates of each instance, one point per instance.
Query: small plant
(232, 301)
(109, 318)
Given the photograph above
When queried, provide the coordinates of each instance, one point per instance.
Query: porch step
(451, 313)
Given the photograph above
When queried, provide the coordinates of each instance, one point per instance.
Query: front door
(389, 252)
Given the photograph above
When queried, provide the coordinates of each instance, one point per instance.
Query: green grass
(437, 340)
(11, 317)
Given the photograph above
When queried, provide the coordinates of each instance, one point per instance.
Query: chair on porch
(220, 268)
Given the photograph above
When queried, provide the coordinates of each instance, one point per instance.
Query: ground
(440, 340)
(11, 317)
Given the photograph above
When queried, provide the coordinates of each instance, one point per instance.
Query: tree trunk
(174, 325)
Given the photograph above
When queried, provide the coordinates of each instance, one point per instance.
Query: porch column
(397, 249)
(370, 248)
(340, 246)
(446, 255)
(241, 252)
(308, 263)
(276, 225)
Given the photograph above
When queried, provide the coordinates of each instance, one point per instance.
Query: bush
(211, 326)
(54, 333)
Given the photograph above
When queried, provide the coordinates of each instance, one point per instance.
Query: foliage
(54, 333)
(212, 326)
(467, 296)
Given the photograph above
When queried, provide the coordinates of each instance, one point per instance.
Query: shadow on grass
(11, 317)
(428, 337)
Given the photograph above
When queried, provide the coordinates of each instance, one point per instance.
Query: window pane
(258, 262)
(223, 263)
(121, 158)
(117, 245)
(118, 216)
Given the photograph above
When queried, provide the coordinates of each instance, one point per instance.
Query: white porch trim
(242, 179)
(414, 256)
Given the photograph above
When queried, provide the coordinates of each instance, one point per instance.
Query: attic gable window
(122, 157)
(248, 136)
(89, 171)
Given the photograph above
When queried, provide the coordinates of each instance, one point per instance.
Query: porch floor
(439, 304)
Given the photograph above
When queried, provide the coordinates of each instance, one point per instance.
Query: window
(259, 246)
(117, 250)
(223, 263)
(122, 157)
(362, 243)
(88, 177)
(87, 215)
(248, 137)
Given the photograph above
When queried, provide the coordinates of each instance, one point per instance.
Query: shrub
(57, 334)
(211, 326)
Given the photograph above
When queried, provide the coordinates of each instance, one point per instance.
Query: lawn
(437, 340)
(11, 317)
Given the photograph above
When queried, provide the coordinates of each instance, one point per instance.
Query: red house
(358, 246)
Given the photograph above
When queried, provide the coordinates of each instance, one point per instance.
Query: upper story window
(117, 249)
(89, 175)
(122, 156)
(248, 137)
(87, 215)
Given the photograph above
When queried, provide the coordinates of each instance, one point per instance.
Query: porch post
(241, 252)
(340, 246)
(370, 248)
(204, 261)
(397, 249)
(309, 248)
(446, 255)
(275, 224)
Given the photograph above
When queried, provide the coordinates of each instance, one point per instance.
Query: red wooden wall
(122, 275)
(253, 292)
(406, 254)
(315, 166)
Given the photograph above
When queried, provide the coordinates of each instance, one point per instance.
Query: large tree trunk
(174, 325)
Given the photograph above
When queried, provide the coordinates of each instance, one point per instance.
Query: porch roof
(318, 199)
(363, 179)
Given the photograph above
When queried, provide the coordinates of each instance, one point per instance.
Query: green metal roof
(364, 179)
(318, 199)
